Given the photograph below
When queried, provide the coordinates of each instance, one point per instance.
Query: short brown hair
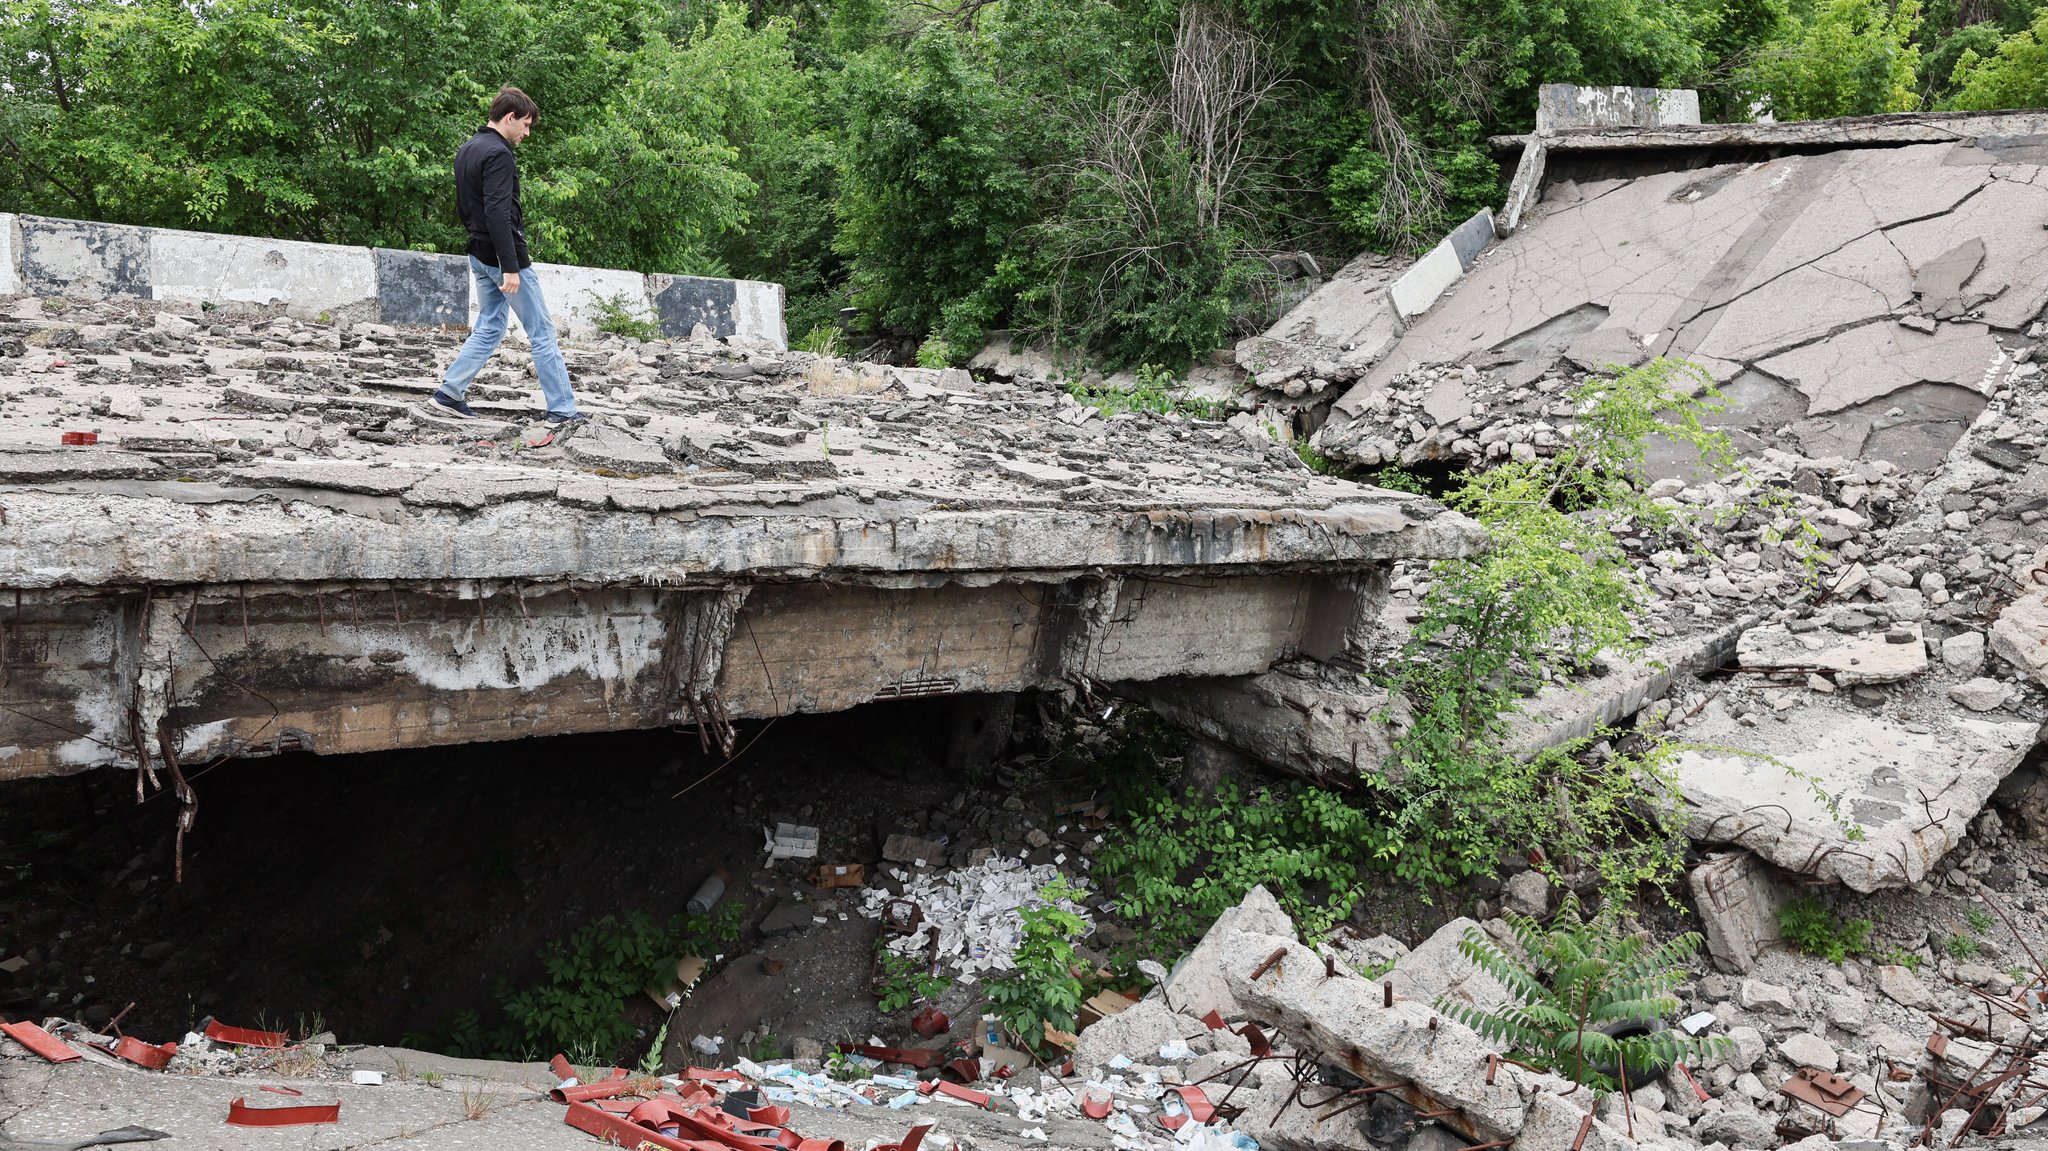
(512, 102)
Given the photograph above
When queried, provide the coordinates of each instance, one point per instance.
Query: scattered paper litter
(971, 913)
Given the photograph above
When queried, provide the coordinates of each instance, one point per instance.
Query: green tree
(2014, 76)
(1851, 58)
(930, 195)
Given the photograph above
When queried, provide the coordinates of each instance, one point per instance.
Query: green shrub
(1809, 926)
(1042, 989)
(1573, 984)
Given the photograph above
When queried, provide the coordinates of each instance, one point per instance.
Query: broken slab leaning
(1844, 795)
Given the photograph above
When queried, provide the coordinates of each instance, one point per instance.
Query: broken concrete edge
(50, 541)
(1434, 1063)
(1881, 130)
(81, 259)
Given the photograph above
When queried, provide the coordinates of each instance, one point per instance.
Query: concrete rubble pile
(1869, 298)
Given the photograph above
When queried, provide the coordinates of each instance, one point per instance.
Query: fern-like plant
(1588, 1000)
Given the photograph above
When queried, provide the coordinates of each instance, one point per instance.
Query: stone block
(1343, 1019)
(1903, 987)
(1197, 985)
(1757, 787)
(1562, 107)
(308, 279)
(1805, 1049)
(1136, 1033)
(600, 445)
(423, 288)
(1963, 654)
(1436, 969)
(83, 260)
(1425, 280)
(1738, 897)
(1852, 660)
(1553, 1124)
(573, 294)
(10, 254)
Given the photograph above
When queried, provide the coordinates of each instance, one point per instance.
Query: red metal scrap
(1197, 1102)
(911, 1140)
(242, 1115)
(909, 1056)
(585, 1092)
(560, 1066)
(243, 1036)
(626, 1133)
(291, 1091)
(980, 1099)
(712, 1075)
(135, 1051)
(1698, 1091)
(41, 1042)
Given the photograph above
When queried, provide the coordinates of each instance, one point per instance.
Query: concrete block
(1428, 279)
(573, 293)
(1442, 1063)
(727, 308)
(1761, 788)
(422, 288)
(1436, 969)
(1197, 984)
(1471, 237)
(10, 254)
(1738, 897)
(1852, 660)
(307, 278)
(83, 260)
(1560, 107)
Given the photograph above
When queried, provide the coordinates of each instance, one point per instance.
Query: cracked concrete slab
(1877, 359)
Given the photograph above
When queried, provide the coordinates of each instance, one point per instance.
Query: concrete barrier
(308, 279)
(1562, 107)
(82, 260)
(85, 260)
(1441, 266)
(10, 261)
(749, 308)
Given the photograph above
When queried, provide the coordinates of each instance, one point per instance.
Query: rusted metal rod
(1279, 953)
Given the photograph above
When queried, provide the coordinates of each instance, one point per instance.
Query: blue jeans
(532, 309)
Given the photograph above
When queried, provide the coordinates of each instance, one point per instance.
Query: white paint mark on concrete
(611, 646)
(757, 312)
(1421, 284)
(10, 255)
(308, 278)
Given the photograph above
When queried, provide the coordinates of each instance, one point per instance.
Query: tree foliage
(1111, 174)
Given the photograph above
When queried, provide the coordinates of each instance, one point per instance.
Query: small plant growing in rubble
(1041, 990)
(1590, 1001)
(1815, 930)
(594, 970)
(1961, 947)
(907, 979)
(616, 316)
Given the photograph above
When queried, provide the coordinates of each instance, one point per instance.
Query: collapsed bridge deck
(272, 546)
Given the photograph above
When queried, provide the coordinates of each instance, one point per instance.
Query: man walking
(487, 197)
